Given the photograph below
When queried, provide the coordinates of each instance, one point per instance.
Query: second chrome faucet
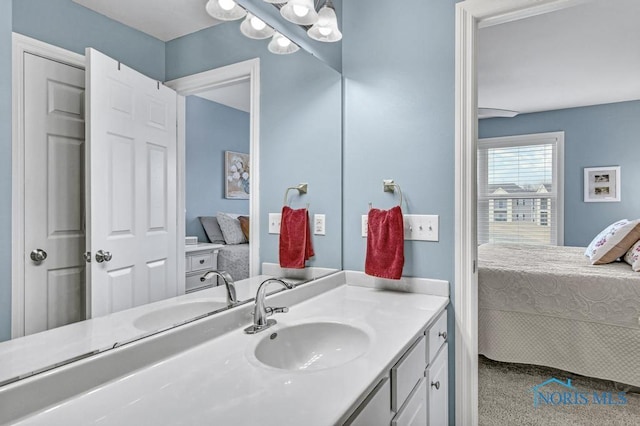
(228, 283)
(260, 312)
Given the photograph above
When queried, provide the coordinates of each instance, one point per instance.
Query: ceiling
(162, 19)
(585, 55)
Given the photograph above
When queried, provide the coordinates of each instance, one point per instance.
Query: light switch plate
(319, 224)
(365, 225)
(421, 227)
(274, 222)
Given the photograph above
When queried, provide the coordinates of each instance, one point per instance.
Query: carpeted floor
(506, 398)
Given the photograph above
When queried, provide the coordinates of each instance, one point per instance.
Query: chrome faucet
(228, 283)
(260, 312)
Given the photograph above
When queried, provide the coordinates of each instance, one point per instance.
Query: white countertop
(221, 382)
(22, 356)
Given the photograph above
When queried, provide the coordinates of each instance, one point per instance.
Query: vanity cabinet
(415, 393)
(200, 258)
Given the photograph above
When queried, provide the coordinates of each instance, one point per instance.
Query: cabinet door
(438, 389)
(414, 410)
(374, 411)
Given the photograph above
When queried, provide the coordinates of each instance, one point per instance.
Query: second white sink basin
(176, 314)
(312, 346)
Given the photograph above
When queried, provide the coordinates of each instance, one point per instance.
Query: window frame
(557, 171)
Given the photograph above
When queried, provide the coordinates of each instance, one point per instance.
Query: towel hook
(389, 186)
(302, 188)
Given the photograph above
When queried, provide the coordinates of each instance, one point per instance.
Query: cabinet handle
(443, 334)
(202, 261)
(436, 385)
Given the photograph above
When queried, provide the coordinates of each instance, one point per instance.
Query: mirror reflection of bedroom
(217, 183)
(558, 217)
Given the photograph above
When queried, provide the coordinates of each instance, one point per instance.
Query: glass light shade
(326, 28)
(280, 45)
(301, 12)
(225, 10)
(254, 27)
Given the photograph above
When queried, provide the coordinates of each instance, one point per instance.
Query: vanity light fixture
(276, 1)
(280, 45)
(301, 12)
(326, 27)
(255, 28)
(225, 10)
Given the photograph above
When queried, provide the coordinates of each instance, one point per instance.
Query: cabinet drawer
(438, 392)
(193, 282)
(437, 336)
(414, 411)
(202, 261)
(374, 411)
(407, 372)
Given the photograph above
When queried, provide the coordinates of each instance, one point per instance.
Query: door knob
(38, 255)
(87, 256)
(103, 256)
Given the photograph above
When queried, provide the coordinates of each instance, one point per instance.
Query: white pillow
(231, 229)
(633, 257)
(613, 242)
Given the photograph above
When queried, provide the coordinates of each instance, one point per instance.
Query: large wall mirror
(296, 137)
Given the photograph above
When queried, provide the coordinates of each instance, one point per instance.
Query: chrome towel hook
(389, 186)
(302, 188)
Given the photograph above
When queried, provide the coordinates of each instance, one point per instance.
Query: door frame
(20, 45)
(471, 15)
(207, 80)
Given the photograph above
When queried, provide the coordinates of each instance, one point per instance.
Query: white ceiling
(162, 19)
(585, 55)
(235, 96)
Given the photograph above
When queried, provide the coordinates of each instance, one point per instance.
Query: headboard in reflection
(298, 138)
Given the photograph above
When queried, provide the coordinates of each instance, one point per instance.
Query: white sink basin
(176, 314)
(312, 346)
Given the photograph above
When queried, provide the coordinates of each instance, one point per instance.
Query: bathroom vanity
(352, 349)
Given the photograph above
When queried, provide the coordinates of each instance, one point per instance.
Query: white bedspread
(557, 282)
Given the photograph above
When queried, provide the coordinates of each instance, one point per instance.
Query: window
(520, 183)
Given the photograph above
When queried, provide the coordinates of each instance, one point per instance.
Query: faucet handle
(277, 310)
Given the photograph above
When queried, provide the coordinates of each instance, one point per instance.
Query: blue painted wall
(600, 135)
(71, 26)
(5, 169)
(211, 129)
(300, 127)
(399, 124)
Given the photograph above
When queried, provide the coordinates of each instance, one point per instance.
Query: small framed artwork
(601, 184)
(237, 175)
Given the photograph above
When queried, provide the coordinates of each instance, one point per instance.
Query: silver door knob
(436, 385)
(87, 256)
(103, 256)
(38, 255)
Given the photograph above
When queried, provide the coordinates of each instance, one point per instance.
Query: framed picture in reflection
(237, 175)
(601, 184)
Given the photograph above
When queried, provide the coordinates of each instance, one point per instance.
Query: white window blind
(520, 189)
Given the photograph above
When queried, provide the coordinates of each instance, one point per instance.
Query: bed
(234, 259)
(547, 305)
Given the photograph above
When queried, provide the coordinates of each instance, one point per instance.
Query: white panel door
(54, 133)
(131, 157)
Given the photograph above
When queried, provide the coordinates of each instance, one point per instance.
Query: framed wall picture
(601, 184)
(237, 175)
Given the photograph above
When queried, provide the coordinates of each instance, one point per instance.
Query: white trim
(207, 80)
(470, 15)
(21, 45)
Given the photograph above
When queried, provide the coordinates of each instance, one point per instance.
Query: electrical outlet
(365, 225)
(274, 222)
(319, 224)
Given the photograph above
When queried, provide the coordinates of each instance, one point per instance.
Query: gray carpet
(505, 398)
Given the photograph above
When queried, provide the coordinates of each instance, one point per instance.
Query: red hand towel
(385, 244)
(295, 238)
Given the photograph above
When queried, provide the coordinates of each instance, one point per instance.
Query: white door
(54, 132)
(131, 161)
